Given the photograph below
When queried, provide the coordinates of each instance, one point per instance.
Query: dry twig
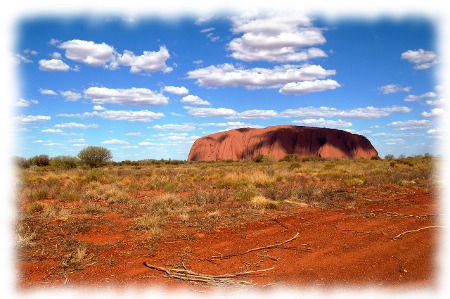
(414, 230)
(276, 245)
(190, 276)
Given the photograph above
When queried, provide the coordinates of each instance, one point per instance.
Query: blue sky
(147, 87)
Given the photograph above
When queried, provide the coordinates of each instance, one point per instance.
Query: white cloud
(394, 141)
(357, 113)
(414, 98)
(30, 52)
(148, 61)
(206, 30)
(115, 141)
(204, 19)
(394, 88)
(147, 143)
(52, 131)
(210, 112)
(179, 90)
(53, 65)
(32, 119)
(104, 55)
(437, 102)
(47, 92)
(88, 52)
(433, 113)
(25, 103)
(228, 75)
(321, 122)
(272, 37)
(79, 140)
(21, 58)
(256, 114)
(410, 125)
(132, 96)
(140, 115)
(134, 134)
(194, 100)
(175, 127)
(71, 95)
(73, 125)
(99, 108)
(130, 115)
(309, 86)
(56, 55)
(435, 132)
(420, 58)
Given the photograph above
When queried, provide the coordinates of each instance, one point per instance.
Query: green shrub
(95, 156)
(263, 158)
(66, 162)
(21, 162)
(40, 160)
(246, 194)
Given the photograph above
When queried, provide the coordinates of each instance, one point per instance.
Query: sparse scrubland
(74, 218)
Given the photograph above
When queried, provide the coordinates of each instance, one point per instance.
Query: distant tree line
(96, 156)
(92, 156)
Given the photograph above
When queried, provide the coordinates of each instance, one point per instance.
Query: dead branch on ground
(276, 245)
(414, 230)
(193, 277)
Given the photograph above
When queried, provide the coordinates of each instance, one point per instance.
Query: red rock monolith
(279, 141)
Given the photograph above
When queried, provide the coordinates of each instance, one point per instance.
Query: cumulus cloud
(115, 141)
(130, 115)
(21, 58)
(58, 131)
(393, 88)
(99, 108)
(179, 90)
(32, 119)
(25, 103)
(131, 96)
(420, 58)
(47, 92)
(194, 100)
(434, 112)
(304, 87)
(275, 38)
(230, 125)
(73, 125)
(140, 115)
(53, 65)
(410, 125)
(71, 95)
(228, 75)
(326, 123)
(418, 98)
(210, 112)
(356, 113)
(148, 61)
(88, 52)
(175, 127)
(256, 114)
(104, 55)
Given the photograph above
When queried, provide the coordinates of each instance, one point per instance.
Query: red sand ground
(335, 248)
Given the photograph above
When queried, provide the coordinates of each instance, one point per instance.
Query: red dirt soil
(351, 248)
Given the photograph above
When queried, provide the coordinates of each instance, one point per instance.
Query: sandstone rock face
(279, 141)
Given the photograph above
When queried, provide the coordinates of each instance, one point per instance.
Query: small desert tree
(94, 156)
(66, 162)
(40, 160)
